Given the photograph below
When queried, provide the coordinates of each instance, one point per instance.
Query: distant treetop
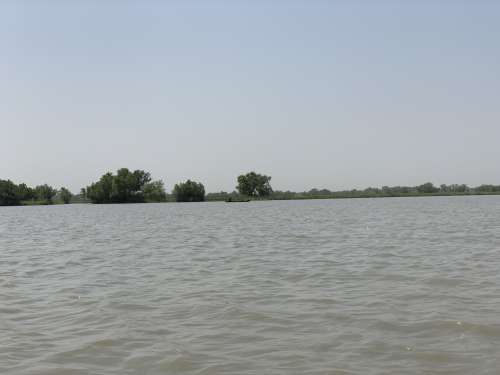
(254, 185)
(189, 191)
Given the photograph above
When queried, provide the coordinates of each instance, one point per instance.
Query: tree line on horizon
(126, 186)
(426, 189)
(137, 186)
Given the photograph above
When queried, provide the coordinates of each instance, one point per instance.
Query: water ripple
(371, 286)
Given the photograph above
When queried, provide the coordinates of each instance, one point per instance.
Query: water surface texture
(358, 286)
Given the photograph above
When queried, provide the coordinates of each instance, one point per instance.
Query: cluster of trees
(189, 191)
(13, 195)
(136, 187)
(125, 187)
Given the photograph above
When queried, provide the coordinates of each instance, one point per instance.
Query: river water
(355, 286)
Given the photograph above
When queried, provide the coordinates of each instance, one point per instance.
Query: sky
(317, 94)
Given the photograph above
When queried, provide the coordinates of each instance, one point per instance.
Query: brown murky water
(366, 286)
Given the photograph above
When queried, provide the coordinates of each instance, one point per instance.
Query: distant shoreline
(138, 187)
(296, 198)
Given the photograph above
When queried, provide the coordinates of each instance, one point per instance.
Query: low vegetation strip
(138, 187)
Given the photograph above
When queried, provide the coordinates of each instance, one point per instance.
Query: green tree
(254, 185)
(141, 178)
(65, 195)
(189, 191)
(25, 193)
(124, 187)
(155, 191)
(100, 191)
(462, 188)
(127, 186)
(45, 193)
(8, 193)
(427, 188)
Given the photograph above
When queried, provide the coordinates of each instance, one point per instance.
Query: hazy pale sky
(334, 94)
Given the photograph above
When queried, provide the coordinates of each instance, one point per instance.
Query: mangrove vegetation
(15, 195)
(189, 191)
(254, 185)
(126, 186)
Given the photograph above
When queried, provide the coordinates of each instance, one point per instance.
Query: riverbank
(306, 196)
(279, 197)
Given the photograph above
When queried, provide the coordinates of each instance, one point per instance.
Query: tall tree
(65, 195)
(254, 185)
(25, 193)
(427, 188)
(189, 191)
(8, 193)
(45, 193)
(155, 191)
(100, 191)
(124, 187)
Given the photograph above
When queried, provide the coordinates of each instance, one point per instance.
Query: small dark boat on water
(231, 200)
